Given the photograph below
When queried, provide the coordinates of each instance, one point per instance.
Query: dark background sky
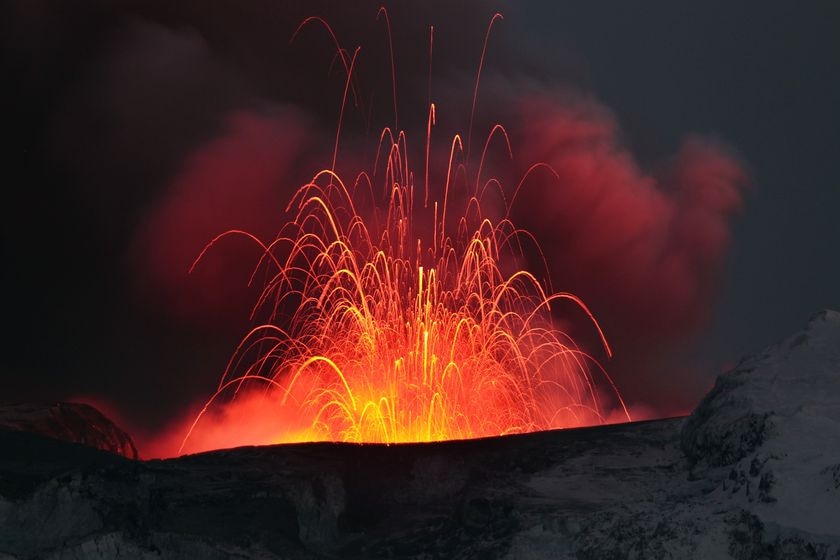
(107, 103)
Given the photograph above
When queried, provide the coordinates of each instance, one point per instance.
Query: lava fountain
(403, 323)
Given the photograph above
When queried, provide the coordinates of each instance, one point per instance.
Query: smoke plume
(177, 121)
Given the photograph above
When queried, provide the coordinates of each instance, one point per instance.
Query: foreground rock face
(73, 422)
(753, 473)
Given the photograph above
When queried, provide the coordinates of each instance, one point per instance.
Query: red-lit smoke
(642, 245)
(236, 181)
(647, 245)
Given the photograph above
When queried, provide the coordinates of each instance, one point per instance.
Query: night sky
(135, 131)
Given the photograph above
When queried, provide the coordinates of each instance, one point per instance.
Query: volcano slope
(754, 472)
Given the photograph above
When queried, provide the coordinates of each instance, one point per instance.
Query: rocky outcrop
(769, 431)
(754, 473)
(772, 395)
(73, 422)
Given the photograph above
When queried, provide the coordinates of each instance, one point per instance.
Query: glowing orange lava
(400, 324)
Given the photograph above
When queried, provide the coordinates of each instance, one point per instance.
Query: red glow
(401, 323)
(397, 339)
(649, 245)
(234, 182)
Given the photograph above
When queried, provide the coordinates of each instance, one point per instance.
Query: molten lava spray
(405, 321)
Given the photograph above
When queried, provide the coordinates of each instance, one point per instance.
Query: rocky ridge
(754, 472)
(68, 421)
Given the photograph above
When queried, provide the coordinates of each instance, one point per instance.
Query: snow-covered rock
(772, 425)
(790, 390)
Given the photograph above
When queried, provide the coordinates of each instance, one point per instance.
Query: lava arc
(409, 320)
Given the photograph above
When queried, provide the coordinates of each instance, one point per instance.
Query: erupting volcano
(469, 288)
(383, 319)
